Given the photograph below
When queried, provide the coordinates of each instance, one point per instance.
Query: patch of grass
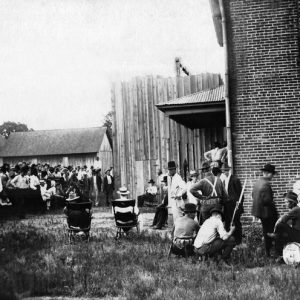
(36, 259)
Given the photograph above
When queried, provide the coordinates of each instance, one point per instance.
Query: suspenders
(214, 192)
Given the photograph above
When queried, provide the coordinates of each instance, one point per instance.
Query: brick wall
(263, 39)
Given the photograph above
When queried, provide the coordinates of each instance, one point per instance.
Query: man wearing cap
(233, 188)
(209, 190)
(283, 232)
(212, 238)
(108, 186)
(176, 191)
(185, 227)
(263, 204)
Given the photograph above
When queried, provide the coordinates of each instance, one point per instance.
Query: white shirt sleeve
(221, 230)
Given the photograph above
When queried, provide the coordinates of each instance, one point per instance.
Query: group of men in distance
(218, 201)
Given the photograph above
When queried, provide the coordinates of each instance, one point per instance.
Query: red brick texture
(264, 82)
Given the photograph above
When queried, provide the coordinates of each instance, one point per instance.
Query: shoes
(158, 228)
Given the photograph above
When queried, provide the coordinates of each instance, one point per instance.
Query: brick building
(264, 87)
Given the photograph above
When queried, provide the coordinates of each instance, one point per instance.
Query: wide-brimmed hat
(107, 171)
(165, 179)
(171, 165)
(151, 181)
(190, 208)
(205, 165)
(123, 191)
(216, 209)
(72, 196)
(269, 168)
(194, 173)
(291, 196)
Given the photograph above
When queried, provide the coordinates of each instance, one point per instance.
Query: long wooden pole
(226, 85)
(238, 203)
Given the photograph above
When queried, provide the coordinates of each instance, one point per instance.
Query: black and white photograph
(149, 149)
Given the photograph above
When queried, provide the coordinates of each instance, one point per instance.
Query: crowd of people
(40, 187)
(208, 211)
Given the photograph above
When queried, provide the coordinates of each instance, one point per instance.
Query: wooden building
(160, 119)
(76, 147)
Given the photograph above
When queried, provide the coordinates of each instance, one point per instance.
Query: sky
(58, 58)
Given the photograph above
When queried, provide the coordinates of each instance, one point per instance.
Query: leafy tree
(7, 127)
(108, 124)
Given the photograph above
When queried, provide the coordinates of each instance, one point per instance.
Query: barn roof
(53, 142)
(206, 96)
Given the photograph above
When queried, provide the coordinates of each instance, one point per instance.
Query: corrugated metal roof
(53, 142)
(207, 96)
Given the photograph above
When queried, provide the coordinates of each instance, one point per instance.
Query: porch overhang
(200, 110)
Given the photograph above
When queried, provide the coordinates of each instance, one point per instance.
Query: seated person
(47, 193)
(150, 194)
(212, 238)
(161, 213)
(283, 232)
(185, 226)
(78, 215)
(123, 192)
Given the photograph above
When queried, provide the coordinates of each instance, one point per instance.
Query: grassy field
(36, 260)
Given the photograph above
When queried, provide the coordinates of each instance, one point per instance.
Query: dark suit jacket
(234, 192)
(106, 186)
(263, 203)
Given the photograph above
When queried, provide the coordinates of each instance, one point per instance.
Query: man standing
(283, 232)
(233, 188)
(176, 189)
(108, 186)
(209, 190)
(212, 238)
(263, 204)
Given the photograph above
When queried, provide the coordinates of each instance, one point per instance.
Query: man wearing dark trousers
(108, 186)
(283, 232)
(263, 204)
(233, 188)
(212, 238)
(161, 213)
(210, 192)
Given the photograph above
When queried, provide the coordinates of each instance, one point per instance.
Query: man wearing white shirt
(212, 238)
(177, 190)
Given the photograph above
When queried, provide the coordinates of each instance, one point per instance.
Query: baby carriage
(79, 218)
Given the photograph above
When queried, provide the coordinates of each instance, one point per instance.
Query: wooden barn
(76, 147)
(160, 119)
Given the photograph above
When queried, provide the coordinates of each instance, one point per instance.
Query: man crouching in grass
(213, 240)
(185, 229)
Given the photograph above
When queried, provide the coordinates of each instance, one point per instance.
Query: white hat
(123, 191)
